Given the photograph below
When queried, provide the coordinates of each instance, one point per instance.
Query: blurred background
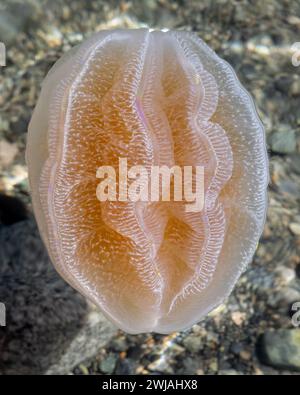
(52, 329)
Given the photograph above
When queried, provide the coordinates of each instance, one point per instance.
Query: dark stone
(281, 349)
(12, 210)
(126, 367)
(50, 327)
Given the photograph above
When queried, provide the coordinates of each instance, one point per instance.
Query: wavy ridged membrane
(155, 98)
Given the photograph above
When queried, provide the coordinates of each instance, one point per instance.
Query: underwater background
(49, 327)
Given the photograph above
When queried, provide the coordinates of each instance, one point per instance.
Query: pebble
(14, 20)
(19, 126)
(8, 151)
(84, 370)
(177, 349)
(191, 365)
(297, 270)
(193, 343)
(288, 187)
(213, 365)
(17, 175)
(236, 348)
(283, 142)
(295, 228)
(229, 372)
(260, 279)
(161, 365)
(284, 297)
(125, 366)
(245, 355)
(238, 317)
(284, 83)
(295, 163)
(53, 37)
(9, 28)
(108, 364)
(295, 87)
(120, 344)
(286, 275)
(281, 348)
(218, 310)
(4, 124)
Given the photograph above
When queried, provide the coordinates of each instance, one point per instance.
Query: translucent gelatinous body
(155, 98)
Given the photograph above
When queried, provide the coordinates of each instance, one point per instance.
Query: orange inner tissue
(157, 99)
